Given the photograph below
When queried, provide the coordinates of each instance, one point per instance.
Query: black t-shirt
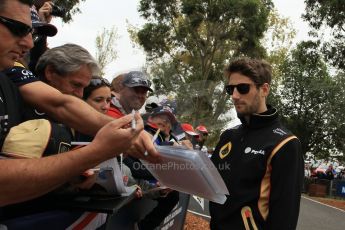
(21, 76)
(12, 113)
(11, 106)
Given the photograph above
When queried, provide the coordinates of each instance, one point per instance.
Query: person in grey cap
(132, 94)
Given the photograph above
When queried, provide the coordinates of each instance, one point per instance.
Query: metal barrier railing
(324, 187)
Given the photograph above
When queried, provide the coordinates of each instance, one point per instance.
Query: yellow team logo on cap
(225, 150)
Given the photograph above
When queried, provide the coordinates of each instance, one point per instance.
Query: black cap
(136, 79)
(160, 110)
(40, 27)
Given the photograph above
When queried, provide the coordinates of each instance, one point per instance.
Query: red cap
(188, 128)
(202, 129)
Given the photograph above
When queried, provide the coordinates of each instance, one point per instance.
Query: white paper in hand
(189, 171)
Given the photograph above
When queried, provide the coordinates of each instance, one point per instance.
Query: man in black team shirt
(25, 179)
(260, 160)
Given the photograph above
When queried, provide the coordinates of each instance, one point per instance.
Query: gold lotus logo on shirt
(225, 150)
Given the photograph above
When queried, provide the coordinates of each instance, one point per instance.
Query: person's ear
(49, 73)
(265, 89)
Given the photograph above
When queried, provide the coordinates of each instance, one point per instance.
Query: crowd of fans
(51, 97)
(71, 70)
(328, 173)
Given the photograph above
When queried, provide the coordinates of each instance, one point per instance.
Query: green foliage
(330, 15)
(188, 43)
(71, 7)
(105, 50)
(213, 138)
(338, 121)
(278, 42)
(329, 12)
(307, 99)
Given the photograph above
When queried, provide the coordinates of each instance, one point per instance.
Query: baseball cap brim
(138, 85)
(45, 29)
(203, 130)
(192, 133)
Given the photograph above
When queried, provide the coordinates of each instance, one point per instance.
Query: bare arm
(77, 114)
(35, 177)
(24, 179)
(67, 109)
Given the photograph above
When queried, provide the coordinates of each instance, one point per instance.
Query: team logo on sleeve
(225, 150)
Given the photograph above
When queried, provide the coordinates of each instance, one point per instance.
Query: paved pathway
(317, 216)
(313, 215)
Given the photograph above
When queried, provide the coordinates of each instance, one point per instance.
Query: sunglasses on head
(140, 81)
(242, 88)
(17, 28)
(99, 81)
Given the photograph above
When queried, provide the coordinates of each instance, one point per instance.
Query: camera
(58, 11)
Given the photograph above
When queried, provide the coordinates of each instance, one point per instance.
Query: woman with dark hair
(98, 94)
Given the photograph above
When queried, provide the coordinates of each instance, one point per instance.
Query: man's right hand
(112, 139)
(144, 148)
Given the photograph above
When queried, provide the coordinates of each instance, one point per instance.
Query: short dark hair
(259, 71)
(116, 84)
(3, 3)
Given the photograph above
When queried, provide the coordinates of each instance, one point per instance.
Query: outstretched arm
(25, 179)
(67, 109)
(77, 114)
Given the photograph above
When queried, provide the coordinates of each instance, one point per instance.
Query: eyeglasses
(99, 81)
(242, 88)
(17, 28)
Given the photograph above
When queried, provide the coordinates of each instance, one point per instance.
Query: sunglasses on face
(99, 81)
(17, 28)
(242, 88)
